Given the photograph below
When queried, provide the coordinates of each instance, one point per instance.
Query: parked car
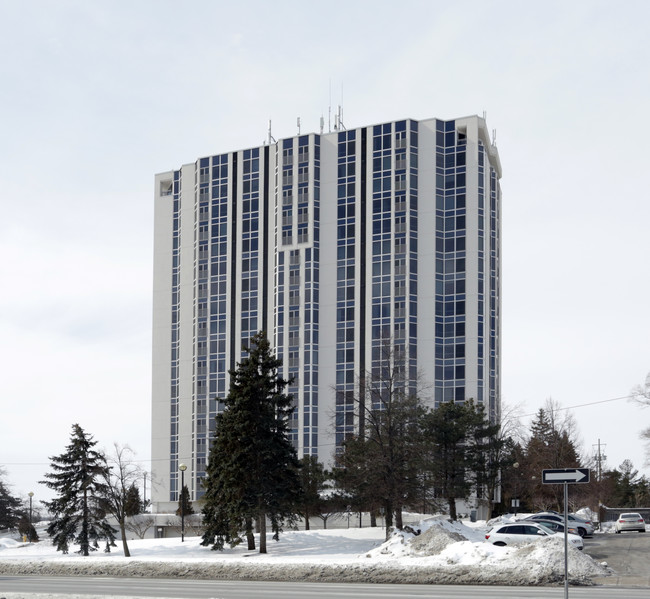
(526, 532)
(558, 526)
(585, 527)
(630, 521)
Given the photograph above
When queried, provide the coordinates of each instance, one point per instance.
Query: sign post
(565, 476)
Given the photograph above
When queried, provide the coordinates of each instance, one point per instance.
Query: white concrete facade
(332, 244)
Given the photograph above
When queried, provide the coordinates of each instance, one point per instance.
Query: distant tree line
(552, 442)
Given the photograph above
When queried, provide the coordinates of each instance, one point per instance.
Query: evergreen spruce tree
(26, 528)
(9, 507)
(450, 431)
(133, 504)
(184, 501)
(252, 471)
(491, 453)
(313, 481)
(550, 446)
(78, 477)
(627, 485)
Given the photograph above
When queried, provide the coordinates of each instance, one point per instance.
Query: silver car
(559, 526)
(584, 527)
(630, 521)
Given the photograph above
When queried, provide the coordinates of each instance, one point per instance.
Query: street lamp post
(31, 494)
(515, 501)
(182, 468)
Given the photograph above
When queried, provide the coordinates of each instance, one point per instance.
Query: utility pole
(600, 458)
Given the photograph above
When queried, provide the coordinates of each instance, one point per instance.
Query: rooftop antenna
(322, 124)
(329, 111)
(298, 123)
(340, 118)
(271, 138)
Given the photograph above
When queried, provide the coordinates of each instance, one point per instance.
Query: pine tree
(185, 502)
(313, 480)
(26, 529)
(450, 430)
(491, 453)
(252, 472)
(628, 485)
(78, 477)
(551, 445)
(133, 504)
(358, 481)
(9, 507)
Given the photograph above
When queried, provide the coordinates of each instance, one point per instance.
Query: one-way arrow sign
(565, 475)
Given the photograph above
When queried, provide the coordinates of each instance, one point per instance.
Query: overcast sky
(97, 97)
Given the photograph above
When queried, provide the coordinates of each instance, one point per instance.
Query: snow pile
(587, 513)
(6, 542)
(434, 552)
(452, 547)
(430, 538)
(505, 519)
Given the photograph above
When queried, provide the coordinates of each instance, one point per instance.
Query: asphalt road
(628, 554)
(21, 586)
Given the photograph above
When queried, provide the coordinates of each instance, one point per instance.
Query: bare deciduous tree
(122, 474)
(641, 395)
(645, 435)
(140, 524)
(194, 526)
(379, 464)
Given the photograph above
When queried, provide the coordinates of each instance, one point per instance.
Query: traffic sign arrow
(566, 475)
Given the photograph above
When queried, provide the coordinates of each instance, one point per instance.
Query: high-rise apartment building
(335, 244)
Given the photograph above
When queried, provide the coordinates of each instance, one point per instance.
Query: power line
(584, 405)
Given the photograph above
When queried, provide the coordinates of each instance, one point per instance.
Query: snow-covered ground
(444, 552)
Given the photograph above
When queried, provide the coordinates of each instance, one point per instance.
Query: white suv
(526, 532)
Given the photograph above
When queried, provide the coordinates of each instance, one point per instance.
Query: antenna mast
(329, 111)
(338, 122)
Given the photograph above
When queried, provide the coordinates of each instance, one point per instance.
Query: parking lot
(628, 554)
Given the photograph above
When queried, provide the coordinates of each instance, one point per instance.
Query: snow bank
(434, 552)
(6, 542)
(452, 549)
